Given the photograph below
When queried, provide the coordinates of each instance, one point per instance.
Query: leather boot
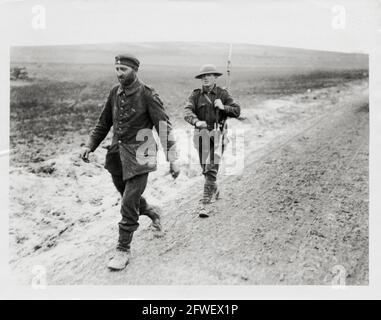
(216, 192)
(208, 192)
(119, 260)
(209, 188)
(211, 192)
(122, 253)
(153, 214)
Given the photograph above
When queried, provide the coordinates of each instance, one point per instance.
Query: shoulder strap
(207, 98)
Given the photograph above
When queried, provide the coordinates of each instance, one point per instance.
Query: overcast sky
(296, 23)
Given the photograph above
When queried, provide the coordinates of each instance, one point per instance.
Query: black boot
(151, 212)
(155, 217)
(209, 188)
(211, 192)
(216, 192)
(208, 192)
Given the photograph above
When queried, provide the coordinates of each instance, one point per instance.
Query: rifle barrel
(229, 66)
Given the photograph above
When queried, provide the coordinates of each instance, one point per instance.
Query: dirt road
(297, 215)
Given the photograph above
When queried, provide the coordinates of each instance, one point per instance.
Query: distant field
(56, 109)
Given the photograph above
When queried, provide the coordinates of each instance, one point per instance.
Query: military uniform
(133, 112)
(200, 107)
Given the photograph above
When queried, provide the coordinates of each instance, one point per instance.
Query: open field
(297, 210)
(55, 112)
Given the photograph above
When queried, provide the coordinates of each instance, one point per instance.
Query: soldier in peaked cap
(132, 109)
(207, 109)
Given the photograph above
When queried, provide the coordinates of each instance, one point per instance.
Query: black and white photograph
(188, 143)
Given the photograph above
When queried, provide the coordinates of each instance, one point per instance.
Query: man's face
(208, 80)
(123, 72)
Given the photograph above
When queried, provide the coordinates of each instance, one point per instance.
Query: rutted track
(298, 216)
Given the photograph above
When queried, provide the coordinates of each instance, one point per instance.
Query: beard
(126, 80)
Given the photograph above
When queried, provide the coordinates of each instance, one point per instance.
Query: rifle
(228, 69)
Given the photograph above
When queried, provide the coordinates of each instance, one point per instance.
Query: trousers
(120, 185)
(133, 205)
(210, 146)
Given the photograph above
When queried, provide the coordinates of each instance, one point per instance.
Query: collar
(132, 88)
(214, 89)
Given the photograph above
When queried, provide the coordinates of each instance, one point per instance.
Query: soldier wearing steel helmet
(207, 109)
(132, 109)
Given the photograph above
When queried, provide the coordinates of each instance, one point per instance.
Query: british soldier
(207, 109)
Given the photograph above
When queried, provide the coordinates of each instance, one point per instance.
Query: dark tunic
(133, 113)
(201, 108)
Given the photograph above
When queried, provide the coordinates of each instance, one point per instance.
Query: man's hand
(85, 154)
(201, 125)
(174, 169)
(218, 104)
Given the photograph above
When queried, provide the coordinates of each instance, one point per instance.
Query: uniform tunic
(132, 112)
(200, 108)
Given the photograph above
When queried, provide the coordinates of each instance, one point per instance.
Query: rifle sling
(217, 111)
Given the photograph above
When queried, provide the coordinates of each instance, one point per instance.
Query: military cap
(127, 60)
(208, 69)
